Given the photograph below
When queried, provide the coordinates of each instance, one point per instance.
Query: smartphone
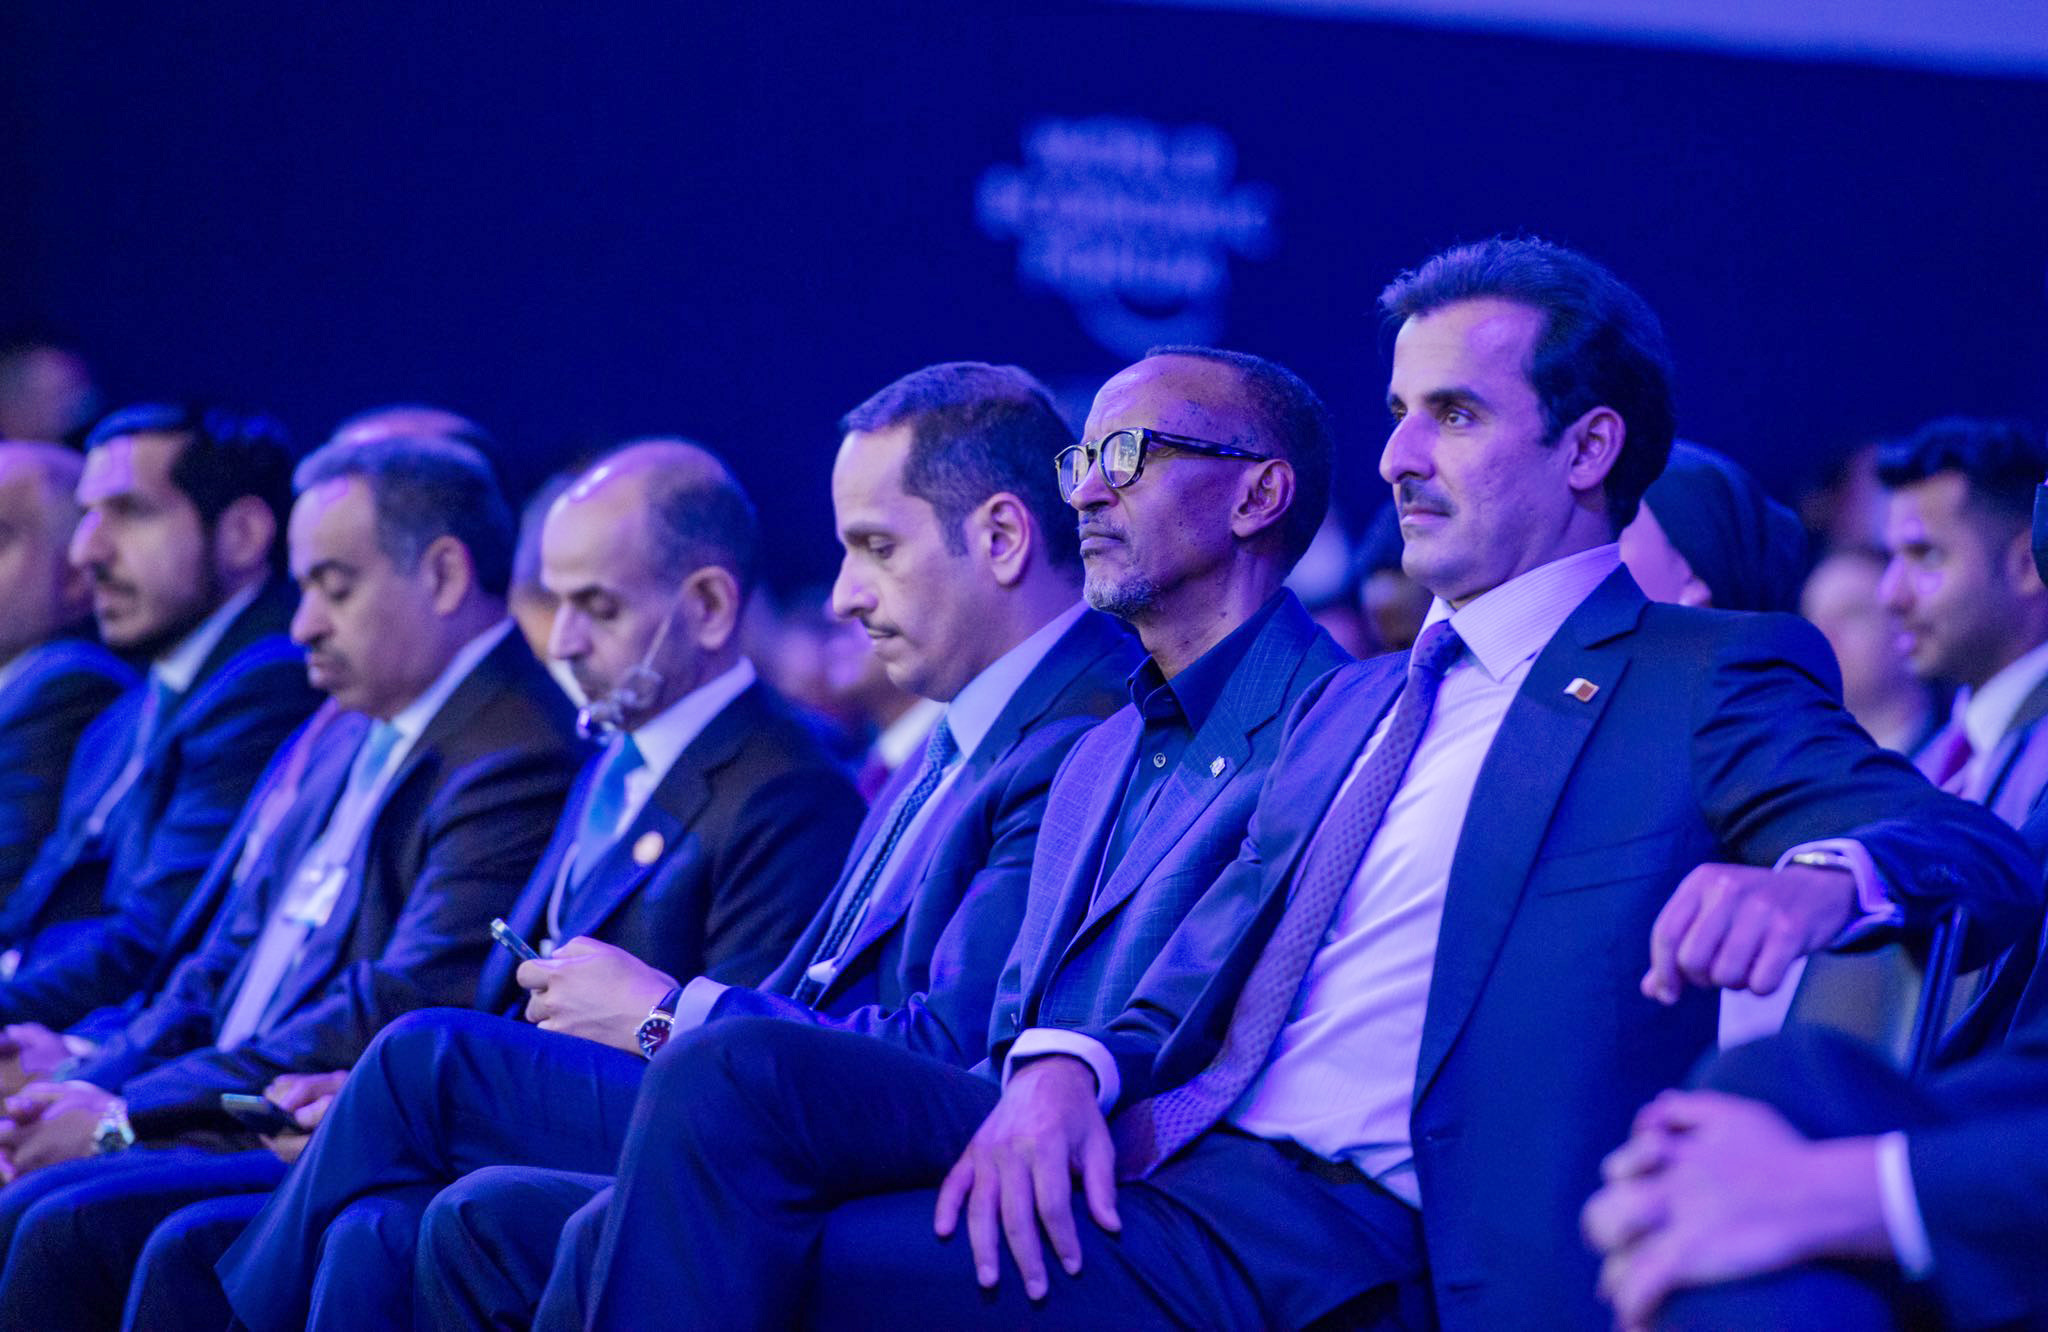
(512, 943)
(258, 1114)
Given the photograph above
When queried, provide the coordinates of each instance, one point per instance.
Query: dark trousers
(174, 1288)
(438, 1094)
(1826, 1087)
(489, 1241)
(777, 1172)
(75, 1231)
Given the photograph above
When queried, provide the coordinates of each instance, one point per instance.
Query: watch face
(653, 1033)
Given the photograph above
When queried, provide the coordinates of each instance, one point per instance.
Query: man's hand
(593, 990)
(29, 1052)
(1739, 927)
(1018, 1173)
(307, 1096)
(51, 1122)
(1714, 1188)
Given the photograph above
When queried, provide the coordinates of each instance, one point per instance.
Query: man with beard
(182, 536)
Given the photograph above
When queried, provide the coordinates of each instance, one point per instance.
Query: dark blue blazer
(59, 688)
(1092, 931)
(455, 835)
(751, 808)
(924, 965)
(1712, 736)
(115, 897)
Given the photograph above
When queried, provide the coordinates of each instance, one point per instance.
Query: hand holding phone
(258, 1114)
(511, 942)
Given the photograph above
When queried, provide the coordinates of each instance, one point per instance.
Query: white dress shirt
(971, 715)
(1987, 713)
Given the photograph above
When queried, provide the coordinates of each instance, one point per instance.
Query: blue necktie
(607, 801)
(157, 702)
(939, 751)
(1154, 1129)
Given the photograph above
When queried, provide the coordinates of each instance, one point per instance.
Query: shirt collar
(904, 737)
(413, 718)
(15, 667)
(663, 737)
(1200, 684)
(973, 711)
(1508, 625)
(1988, 710)
(179, 667)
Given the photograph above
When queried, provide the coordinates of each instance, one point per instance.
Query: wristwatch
(113, 1133)
(661, 1020)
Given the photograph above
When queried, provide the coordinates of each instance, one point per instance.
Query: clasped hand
(1738, 927)
(49, 1123)
(1017, 1175)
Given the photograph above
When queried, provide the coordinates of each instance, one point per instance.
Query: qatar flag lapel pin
(1582, 689)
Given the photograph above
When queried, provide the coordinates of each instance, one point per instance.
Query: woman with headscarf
(1708, 535)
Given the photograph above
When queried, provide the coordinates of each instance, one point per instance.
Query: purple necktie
(1156, 1128)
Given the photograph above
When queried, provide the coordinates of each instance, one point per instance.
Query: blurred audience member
(532, 605)
(183, 537)
(1897, 707)
(53, 680)
(1847, 508)
(417, 420)
(46, 391)
(1707, 535)
(1973, 610)
(1326, 580)
(1394, 604)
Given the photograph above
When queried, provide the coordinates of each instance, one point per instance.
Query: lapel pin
(1582, 689)
(1216, 766)
(648, 849)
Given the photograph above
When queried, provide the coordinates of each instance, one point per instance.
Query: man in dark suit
(958, 567)
(53, 682)
(1375, 1062)
(183, 539)
(418, 812)
(1127, 841)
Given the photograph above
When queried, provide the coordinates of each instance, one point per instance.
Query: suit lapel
(1074, 832)
(1524, 775)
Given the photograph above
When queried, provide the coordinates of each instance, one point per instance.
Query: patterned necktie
(939, 751)
(607, 801)
(1154, 1129)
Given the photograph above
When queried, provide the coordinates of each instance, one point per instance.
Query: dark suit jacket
(923, 967)
(2018, 767)
(1713, 736)
(1093, 930)
(751, 808)
(455, 835)
(60, 687)
(129, 883)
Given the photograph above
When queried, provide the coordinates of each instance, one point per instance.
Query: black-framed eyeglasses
(1123, 456)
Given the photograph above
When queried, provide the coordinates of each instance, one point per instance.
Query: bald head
(40, 593)
(652, 554)
(411, 420)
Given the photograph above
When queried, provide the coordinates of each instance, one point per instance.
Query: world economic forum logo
(1133, 222)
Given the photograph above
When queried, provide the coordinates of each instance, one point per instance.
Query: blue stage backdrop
(735, 220)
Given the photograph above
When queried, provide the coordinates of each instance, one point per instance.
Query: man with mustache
(961, 564)
(182, 536)
(1378, 1062)
(53, 679)
(1959, 498)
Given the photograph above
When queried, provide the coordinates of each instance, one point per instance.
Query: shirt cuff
(1037, 1042)
(1873, 897)
(693, 1010)
(1902, 1221)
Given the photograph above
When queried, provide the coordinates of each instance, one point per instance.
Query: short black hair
(424, 489)
(978, 430)
(1292, 422)
(224, 454)
(2001, 460)
(1601, 344)
(698, 518)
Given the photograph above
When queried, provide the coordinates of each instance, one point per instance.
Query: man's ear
(242, 537)
(1000, 533)
(2020, 570)
(450, 573)
(710, 602)
(1267, 495)
(1595, 440)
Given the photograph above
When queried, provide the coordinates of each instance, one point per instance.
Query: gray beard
(1126, 600)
